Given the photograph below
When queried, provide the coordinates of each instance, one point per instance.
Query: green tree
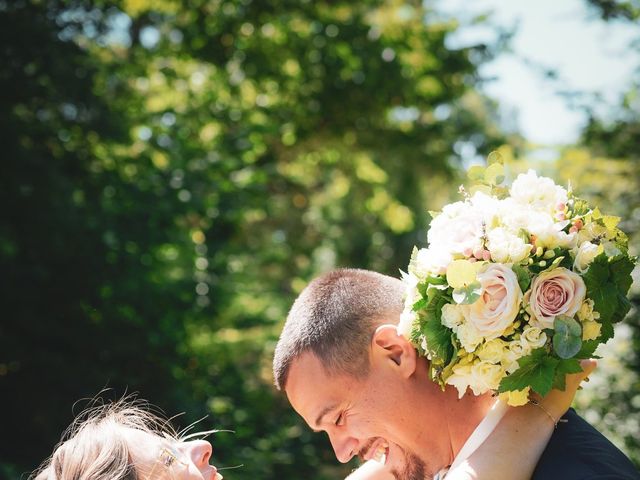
(176, 171)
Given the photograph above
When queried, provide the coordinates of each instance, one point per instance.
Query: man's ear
(388, 345)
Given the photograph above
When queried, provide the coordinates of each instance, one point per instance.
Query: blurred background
(174, 172)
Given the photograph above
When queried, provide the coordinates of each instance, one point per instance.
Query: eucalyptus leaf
(567, 339)
(468, 294)
(494, 175)
(475, 173)
(495, 157)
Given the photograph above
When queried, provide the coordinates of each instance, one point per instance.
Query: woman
(122, 441)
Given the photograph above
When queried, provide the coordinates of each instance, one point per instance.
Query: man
(347, 371)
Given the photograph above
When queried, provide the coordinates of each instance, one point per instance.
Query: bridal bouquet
(516, 286)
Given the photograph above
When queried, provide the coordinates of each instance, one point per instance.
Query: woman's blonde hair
(94, 446)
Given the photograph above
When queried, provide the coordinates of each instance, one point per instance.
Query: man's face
(368, 417)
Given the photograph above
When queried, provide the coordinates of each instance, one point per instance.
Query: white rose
(485, 377)
(555, 292)
(431, 261)
(540, 192)
(532, 338)
(460, 378)
(584, 255)
(505, 247)
(469, 336)
(498, 306)
(457, 229)
(486, 207)
(513, 353)
(492, 351)
(452, 316)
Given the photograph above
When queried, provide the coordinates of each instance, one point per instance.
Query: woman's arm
(512, 451)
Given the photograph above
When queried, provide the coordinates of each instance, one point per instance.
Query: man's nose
(344, 446)
(199, 452)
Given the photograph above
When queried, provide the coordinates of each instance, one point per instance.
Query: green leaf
(567, 339)
(588, 349)
(598, 272)
(565, 367)
(600, 289)
(621, 269)
(623, 307)
(420, 304)
(440, 280)
(606, 332)
(437, 335)
(605, 299)
(467, 295)
(494, 174)
(475, 173)
(495, 157)
(524, 278)
(537, 370)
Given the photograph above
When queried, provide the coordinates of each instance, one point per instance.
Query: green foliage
(174, 173)
(565, 367)
(523, 275)
(537, 370)
(608, 281)
(437, 336)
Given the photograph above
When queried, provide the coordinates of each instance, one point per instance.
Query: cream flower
(460, 378)
(452, 315)
(485, 377)
(555, 292)
(493, 351)
(469, 336)
(584, 255)
(498, 306)
(586, 312)
(457, 229)
(506, 247)
(540, 192)
(514, 352)
(479, 376)
(532, 338)
(431, 261)
(591, 330)
(516, 398)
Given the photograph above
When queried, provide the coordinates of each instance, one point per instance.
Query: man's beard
(414, 469)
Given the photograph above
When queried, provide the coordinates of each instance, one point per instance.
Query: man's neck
(464, 417)
(450, 421)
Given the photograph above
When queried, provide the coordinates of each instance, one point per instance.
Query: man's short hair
(334, 318)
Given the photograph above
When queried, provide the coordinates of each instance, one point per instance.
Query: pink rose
(556, 292)
(498, 306)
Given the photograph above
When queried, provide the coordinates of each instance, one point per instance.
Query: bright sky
(589, 55)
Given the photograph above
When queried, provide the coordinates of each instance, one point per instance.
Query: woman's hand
(557, 402)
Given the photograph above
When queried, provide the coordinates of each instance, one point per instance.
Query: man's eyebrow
(324, 412)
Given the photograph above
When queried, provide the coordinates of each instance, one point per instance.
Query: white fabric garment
(477, 438)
